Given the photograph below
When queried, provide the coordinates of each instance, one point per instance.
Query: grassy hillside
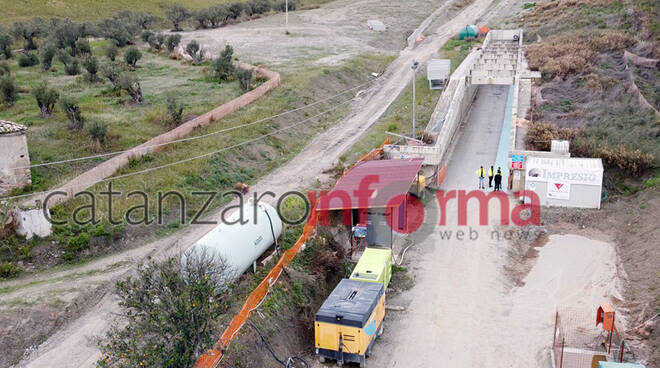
(590, 93)
(92, 10)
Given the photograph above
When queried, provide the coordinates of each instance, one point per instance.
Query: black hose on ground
(272, 231)
(290, 360)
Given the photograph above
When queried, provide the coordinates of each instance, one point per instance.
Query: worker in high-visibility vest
(481, 173)
(490, 176)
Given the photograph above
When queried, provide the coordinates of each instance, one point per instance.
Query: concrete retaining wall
(109, 167)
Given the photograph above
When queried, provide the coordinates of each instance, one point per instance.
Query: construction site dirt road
(74, 345)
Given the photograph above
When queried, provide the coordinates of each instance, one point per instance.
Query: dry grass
(568, 54)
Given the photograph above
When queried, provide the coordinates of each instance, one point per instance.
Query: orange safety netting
(211, 359)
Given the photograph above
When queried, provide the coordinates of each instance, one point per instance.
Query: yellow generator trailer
(348, 322)
(375, 265)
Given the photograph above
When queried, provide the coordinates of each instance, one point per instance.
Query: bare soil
(630, 223)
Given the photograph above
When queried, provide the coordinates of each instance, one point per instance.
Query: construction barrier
(579, 343)
(211, 359)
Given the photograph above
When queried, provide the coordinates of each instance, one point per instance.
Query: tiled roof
(8, 127)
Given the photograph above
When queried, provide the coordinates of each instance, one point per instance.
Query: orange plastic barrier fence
(442, 174)
(211, 359)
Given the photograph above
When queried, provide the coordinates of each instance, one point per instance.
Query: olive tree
(218, 15)
(28, 32)
(203, 18)
(67, 33)
(195, 51)
(222, 66)
(236, 9)
(177, 14)
(46, 98)
(71, 108)
(172, 41)
(48, 52)
(144, 20)
(131, 85)
(174, 109)
(91, 65)
(132, 56)
(8, 90)
(71, 64)
(111, 51)
(168, 312)
(244, 77)
(112, 73)
(5, 43)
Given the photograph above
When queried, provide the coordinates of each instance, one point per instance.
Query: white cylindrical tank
(240, 245)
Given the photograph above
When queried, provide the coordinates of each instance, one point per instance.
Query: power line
(52, 163)
(191, 158)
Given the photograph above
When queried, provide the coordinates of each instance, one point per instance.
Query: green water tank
(469, 31)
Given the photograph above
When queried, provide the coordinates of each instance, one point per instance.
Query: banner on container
(559, 190)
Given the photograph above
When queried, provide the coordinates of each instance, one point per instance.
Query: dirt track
(74, 346)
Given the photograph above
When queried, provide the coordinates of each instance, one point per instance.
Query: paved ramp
(479, 139)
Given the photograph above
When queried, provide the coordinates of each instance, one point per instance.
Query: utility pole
(414, 66)
(286, 15)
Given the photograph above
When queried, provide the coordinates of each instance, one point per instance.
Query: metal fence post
(554, 337)
(561, 359)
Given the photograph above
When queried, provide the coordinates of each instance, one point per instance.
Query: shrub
(83, 47)
(631, 161)
(174, 109)
(132, 56)
(71, 64)
(157, 41)
(91, 65)
(48, 52)
(281, 5)
(258, 6)
(111, 72)
(177, 14)
(46, 98)
(75, 245)
(195, 51)
(172, 41)
(111, 51)
(540, 135)
(8, 270)
(4, 68)
(131, 85)
(185, 298)
(222, 66)
(8, 90)
(5, 43)
(71, 107)
(29, 32)
(98, 131)
(218, 15)
(27, 59)
(236, 9)
(244, 77)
